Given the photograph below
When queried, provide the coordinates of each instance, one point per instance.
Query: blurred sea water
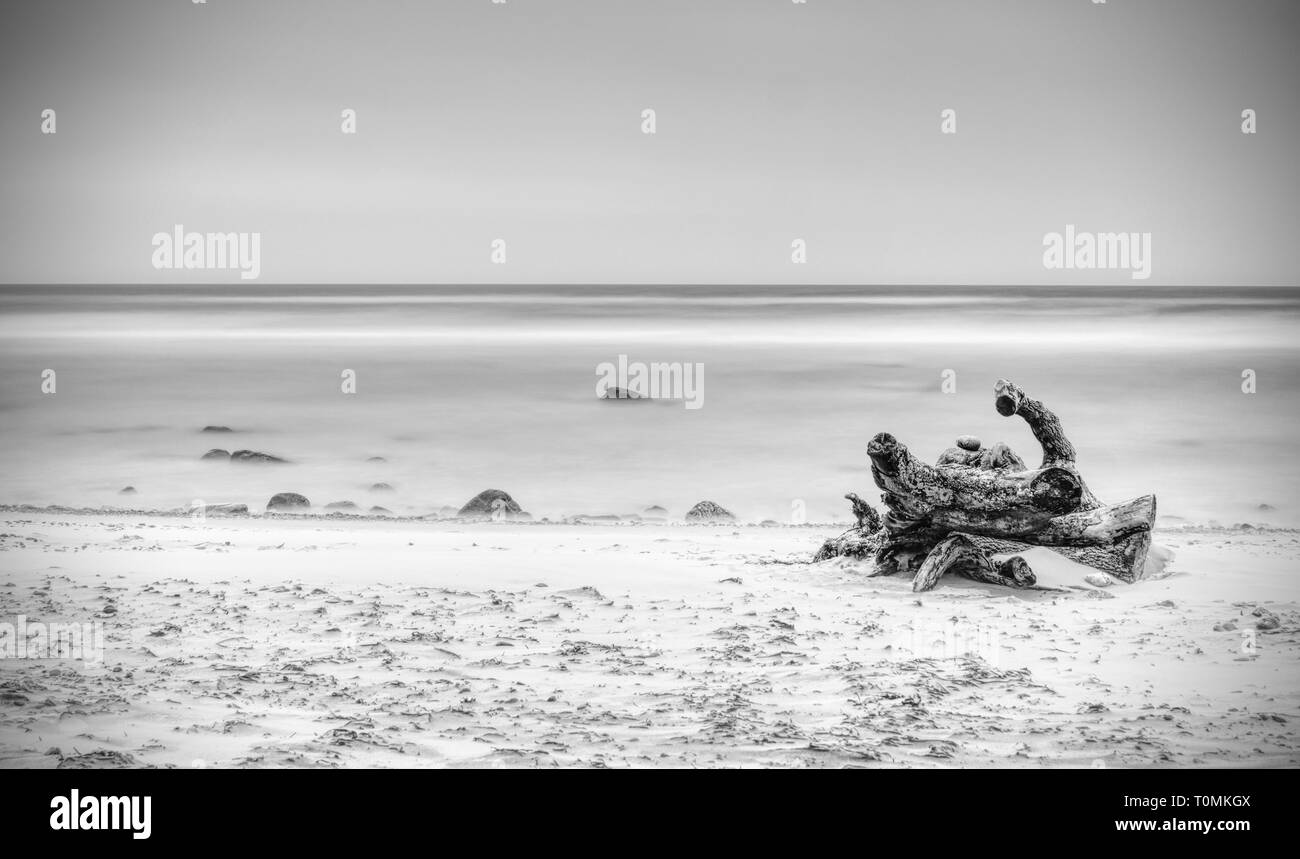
(465, 388)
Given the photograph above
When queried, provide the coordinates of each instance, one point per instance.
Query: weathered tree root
(868, 518)
(979, 502)
(958, 553)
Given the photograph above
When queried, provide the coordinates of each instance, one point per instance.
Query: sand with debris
(274, 642)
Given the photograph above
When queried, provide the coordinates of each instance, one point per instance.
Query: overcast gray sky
(776, 121)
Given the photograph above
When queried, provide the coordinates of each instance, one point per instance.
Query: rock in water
(490, 504)
(254, 456)
(340, 505)
(216, 429)
(376, 459)
(381, 487)
(383, 511)
(287, 501)
(655, 513)
(216, 453)
(707, 511)
(622, 394)
(126, 490)
(969, 442)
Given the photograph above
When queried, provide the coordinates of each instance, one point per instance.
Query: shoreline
(594, 519)
(589, 520)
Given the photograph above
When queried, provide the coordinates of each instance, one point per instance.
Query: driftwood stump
(979, 502)
(959, 553)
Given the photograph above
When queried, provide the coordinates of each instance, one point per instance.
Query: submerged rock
(126, 490)
(491, 504)
(376, 459)
(707, 511)
(621, 394)
(216, 429)
(284, 501)
(254, 456)
(381, 510)
(216, 453)
(654, 512)
(381, 487)
(341, 505)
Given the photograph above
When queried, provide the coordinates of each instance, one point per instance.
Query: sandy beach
(347, 641)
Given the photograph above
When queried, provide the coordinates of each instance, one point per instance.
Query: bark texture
(977, 502)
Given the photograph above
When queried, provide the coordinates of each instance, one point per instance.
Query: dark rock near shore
(707, 511)
(126, 490)
(254, 456)
(217, 453)
(216, 429)
(287, 501)
(491, 503)
(622, 394)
